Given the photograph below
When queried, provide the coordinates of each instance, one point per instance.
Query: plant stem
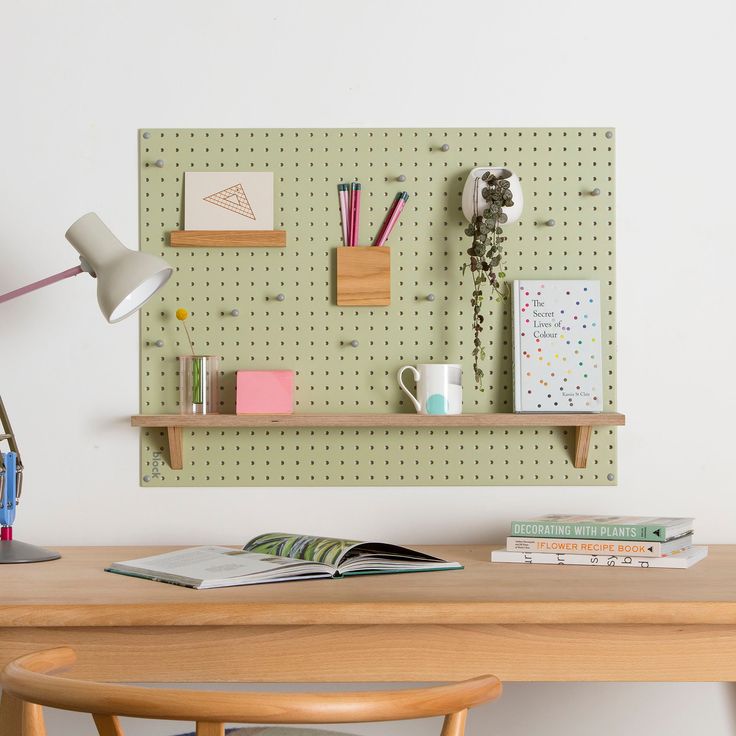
(191, 344)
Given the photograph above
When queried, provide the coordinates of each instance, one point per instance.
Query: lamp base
(13, 552)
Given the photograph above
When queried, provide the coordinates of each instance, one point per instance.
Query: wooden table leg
(20, 719)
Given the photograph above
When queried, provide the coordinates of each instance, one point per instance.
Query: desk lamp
(126, 280)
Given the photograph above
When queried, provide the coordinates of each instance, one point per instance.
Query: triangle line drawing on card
(233, 199)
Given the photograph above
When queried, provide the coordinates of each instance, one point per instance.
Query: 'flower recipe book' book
(557, 346)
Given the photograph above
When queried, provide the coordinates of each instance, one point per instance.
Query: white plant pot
(473, 202)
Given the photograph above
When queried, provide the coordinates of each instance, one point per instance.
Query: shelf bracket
(582, 445)
(176, 447)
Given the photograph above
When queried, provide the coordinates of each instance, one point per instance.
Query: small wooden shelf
(175, 423)
(227, 238)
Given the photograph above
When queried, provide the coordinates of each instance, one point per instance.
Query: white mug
(439, 388)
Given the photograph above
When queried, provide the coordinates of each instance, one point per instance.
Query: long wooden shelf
(227, 238)
(175, 423)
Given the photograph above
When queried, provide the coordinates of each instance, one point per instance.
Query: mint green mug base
(436, 404)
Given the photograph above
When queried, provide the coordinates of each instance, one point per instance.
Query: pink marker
(355, 210)
(393, 218)
(386, 219)
(342, 193)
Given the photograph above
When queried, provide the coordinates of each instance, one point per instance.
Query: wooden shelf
(227, 238)
(176, 423)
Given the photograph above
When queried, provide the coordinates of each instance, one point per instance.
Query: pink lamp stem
(40, 284)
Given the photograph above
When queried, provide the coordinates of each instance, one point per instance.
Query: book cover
(557, 346)
(597, 546)
(682, 559)
(641, 528)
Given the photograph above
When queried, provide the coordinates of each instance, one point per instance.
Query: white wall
(78, 79)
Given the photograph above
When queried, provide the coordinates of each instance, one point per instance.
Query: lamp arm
(40, 284)
(6, 433)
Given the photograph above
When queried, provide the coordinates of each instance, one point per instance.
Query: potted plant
(492, 197)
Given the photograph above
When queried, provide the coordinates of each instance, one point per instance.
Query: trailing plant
(487, 255)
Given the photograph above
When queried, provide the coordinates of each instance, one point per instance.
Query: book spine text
(583, 546)
(585, 530)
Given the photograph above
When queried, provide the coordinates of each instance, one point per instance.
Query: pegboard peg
(146, 135)
(550, 223)
(146, 478)
(280, 297)
(235, 313)
(609, 134)
(595, 192)
(159, 163)
(430, 297)
(354, 343)
(401, 177)
(159, 343)
(444, 147)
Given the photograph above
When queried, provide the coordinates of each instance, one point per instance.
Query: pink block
(264, 392)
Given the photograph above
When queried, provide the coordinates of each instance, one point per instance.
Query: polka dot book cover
(557, 346)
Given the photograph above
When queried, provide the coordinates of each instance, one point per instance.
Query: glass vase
(199, 384)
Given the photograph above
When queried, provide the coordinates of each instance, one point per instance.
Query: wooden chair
(33, 680)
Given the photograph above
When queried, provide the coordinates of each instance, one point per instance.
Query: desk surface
(75, 591)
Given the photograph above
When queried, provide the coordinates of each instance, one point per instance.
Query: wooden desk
(529, 623)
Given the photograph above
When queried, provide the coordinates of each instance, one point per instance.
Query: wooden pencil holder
(364, 276)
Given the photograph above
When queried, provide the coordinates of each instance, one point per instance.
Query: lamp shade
(126, 279)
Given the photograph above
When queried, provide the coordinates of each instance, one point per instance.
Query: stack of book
(611, 541)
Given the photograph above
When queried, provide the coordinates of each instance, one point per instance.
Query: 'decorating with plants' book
(276, 558)
(557, 346)
(644, 528)
(606, 541)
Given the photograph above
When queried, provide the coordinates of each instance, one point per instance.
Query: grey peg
(609, 134)
(159, 343)
(445, 147)
(280, 297)
(235, 312)
(610, 476)
(595, 192)
(146, 478)
(159, 163)
(354, 343)
(146, 135)
(400, 177)
(550, 223)
(430, 297)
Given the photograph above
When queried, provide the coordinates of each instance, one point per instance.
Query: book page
(327, 550)
(213, 563)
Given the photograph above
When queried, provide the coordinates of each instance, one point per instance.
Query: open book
(278, 558)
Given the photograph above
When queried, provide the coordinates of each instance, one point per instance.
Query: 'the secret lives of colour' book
(557, 346)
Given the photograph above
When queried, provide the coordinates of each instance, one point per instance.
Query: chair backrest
(34, 679)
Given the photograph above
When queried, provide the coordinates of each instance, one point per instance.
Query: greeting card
(228, 200)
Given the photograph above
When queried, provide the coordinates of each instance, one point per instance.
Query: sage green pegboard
(307, 332)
